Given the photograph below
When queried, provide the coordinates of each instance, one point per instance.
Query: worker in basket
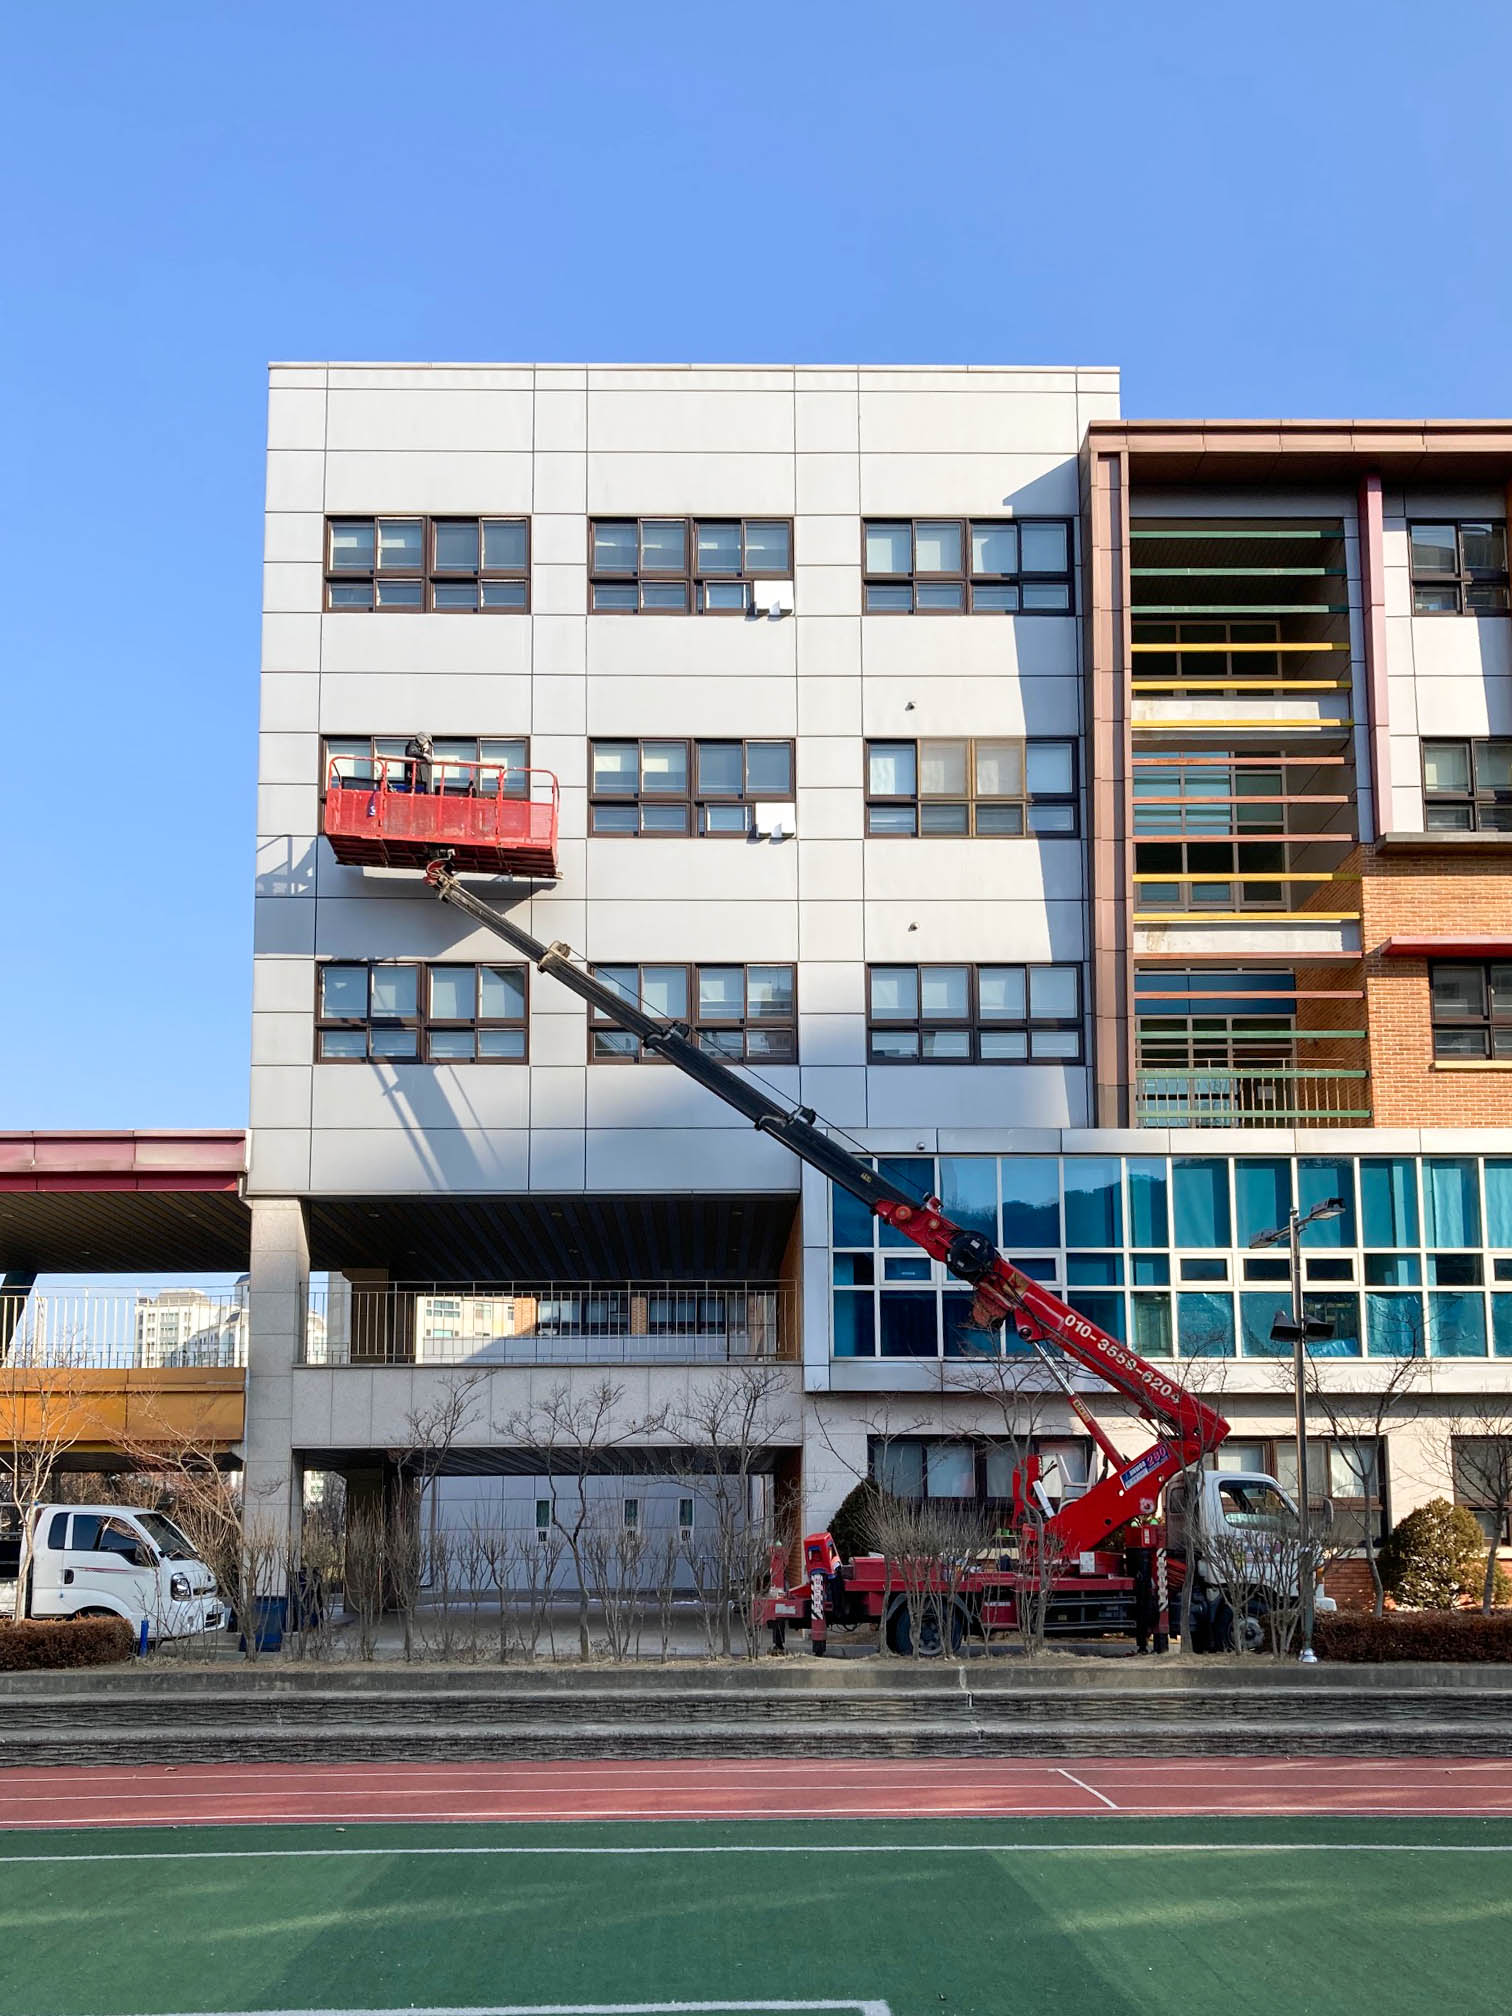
(419, 754)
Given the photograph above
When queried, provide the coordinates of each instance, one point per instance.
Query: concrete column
(278, 1296)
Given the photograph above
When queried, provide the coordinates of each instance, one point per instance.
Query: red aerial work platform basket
(493, 820)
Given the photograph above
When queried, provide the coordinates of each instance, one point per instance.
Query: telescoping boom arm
(1188, 1427)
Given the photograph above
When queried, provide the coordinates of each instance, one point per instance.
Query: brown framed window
(748, 1014)
(661, 789)
(1467, 785)
(955, 566)
(973, 1014)
(989, 786)
(1459, 567)
(397, 1011)
(461, 766)
(447, 565)
(1482, 1466)
(1472, 1009)
(683, 566)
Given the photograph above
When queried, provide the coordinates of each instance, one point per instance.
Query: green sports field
(978, 1918)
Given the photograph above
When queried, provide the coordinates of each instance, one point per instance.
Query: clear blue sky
(1290, 209)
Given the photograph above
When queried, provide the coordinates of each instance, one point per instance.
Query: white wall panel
(651, 929)
(440, 418)
(827, 483)
(700, 1160)
(695, 872)
(394, 1161)
(464, 482)
(641, 705)
(441, 703)
(826, 423)
(959, 928)
(692, 422)
(639, 484)
(978, 422)
(986, 486)
(691, 647)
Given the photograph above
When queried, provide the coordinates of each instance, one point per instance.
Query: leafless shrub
(614, 1557)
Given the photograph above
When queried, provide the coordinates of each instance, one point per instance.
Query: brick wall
(1349, 1584)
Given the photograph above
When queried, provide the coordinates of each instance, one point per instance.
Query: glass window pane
(353, 1043)
(1435, 601)
(888, 549)
(851, 1224)
(891, 769)
(1484, 598)
(724, 819)
(664, 767)
(501, 993)
(719, 548)
(664, 595)
(1152, 1325)
(769, 769)
(1148, 1224)
(937, 547)
(1003, 1046)
(992, 596)
(1043, 550)
(1045, 595)
(944, 992)
(1001, 993)
(1446, 766)
(940, 595)
(1458, 991)
(501, 1043)
(1498, 1203)
(719, 768)
(721, 993)
(1202, 1207)
(457, 544)
(354, 594)
(1388, 1195)
(769, 992)
(395, 990)
(401, 544)
(947, 1045)
(454, 595)
(942, 769)
(614, 819)
(1262, 1196)
(1205, 1325)
(1433, 549)
(1050, 769)
(891, 819)
(453, 993)
(891, 1046)
(614, 546)
(855, 1324)
(614, 595)
(719, 597)
(616, 767)
(900, 1468)
(1094, 1201)
(664, 991)
(1451, 1209)
(664, 546)
(950, 1469)
(665, 819)
(398, 1044)
(1483, 547)
(1456, 1325)
(1000, 769)
(450, 1046)
(351, 544)
(910, 1324)
(1493, 766)
(1053, 993)
(1320, 1180)
(938, 816)
(504, 543)
(504, 594)
(344, 991)
(888, 600)
(1031, 1202)
(1052, 818)
(776, 1046)
(767, 547)
(968, 1192)
(895, 993)
(994, 549)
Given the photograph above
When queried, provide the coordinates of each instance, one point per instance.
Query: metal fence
(1267, 1096)
(129, 1329)
(551, 1323)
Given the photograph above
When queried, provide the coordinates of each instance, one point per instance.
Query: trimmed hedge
(36, 1647)
(1460, 1635)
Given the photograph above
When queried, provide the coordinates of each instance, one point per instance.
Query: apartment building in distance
(1104, 822)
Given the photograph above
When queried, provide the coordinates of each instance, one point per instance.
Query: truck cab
(1237, 1533)
(119, 1561)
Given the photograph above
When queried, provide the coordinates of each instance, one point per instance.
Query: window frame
(423, 1022)
(1025, 799)
(1462, 580)
(1490, 1023)
(429, 573)
(693, 580)
(966, 578)
(1477, 800)
(972, 1021)
(697, 1025)
(1474, 1500)
(437, 763)
(693, 799)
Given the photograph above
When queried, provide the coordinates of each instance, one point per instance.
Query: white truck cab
(118, 1561)
(1246, 1532)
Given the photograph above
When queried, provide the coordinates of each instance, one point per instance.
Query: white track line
(1082, 1784)
(602, 2009)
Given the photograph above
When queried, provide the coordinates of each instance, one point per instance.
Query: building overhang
(1447, 948)
(1445, 843)
(142, 1202)
(1254, 451)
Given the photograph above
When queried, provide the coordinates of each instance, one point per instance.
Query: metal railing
(1264, 1096)
(122, 1329)
(551, 1323)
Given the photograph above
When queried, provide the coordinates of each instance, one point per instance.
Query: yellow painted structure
(99, 1411)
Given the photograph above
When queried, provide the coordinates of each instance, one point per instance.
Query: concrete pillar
(278, 1296)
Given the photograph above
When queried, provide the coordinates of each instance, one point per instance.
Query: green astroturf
(1088, 1918)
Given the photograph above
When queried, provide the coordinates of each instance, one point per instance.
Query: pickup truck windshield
(1257, 1508)
(167, 1536)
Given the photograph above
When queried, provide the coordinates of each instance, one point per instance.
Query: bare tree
(725, 1429)
(1357, 1420)
(614, 1558)
(1479, 1462)
(574, 1434)
(44, 1411)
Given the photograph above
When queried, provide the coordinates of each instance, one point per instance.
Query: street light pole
(1307, 1656)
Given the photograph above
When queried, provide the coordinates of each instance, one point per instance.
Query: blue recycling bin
(271, 1621)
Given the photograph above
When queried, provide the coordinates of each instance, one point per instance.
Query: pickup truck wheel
(900, 1637)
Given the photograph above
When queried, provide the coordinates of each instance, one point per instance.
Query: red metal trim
(84, 1162)
(1447, 948)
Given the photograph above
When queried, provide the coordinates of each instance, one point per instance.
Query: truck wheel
(1256, 1627)
(900, 1636)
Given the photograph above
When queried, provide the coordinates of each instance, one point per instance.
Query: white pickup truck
(119, 1561)
(1246, 1533)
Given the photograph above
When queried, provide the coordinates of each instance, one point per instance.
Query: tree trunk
(1488, 1586)
(1376, 1583)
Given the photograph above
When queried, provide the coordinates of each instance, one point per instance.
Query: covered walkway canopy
(146, 1203)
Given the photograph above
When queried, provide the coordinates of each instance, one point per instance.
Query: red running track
(752, 1789)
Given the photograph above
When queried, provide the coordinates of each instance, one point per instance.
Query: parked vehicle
(118, 1561)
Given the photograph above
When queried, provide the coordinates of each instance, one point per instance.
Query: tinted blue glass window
(1394, 1325)
(1450, 1207)
(1501, 1325)
(914, 1175)
(1499, 1203)
(908, 1326)
(1031, 1202)
(1095, 1270)
(1094, 1201)
(850, 1221)
(1152, 1326)
(961, 1340)
(1262, 1195)
(1256, 1313)
(1343, 1311)
(1204, 1323)
(968, 1192)
(855, 1270)
(1456, 1325)
(1148, 1222)
(1106, 1311)
(855, 1330)
(1319, 1178)
(1388, 1197)
(1393, 1270)
(1152, 1270)
(1202, 1207)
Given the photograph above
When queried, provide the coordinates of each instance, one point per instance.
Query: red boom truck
(1103, 1554)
